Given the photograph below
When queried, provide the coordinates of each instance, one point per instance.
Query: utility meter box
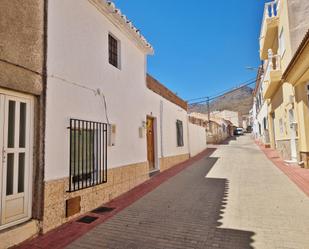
(141, 132)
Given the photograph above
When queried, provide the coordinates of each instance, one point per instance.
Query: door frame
(155, 143)
(30, 99)
(293, 135)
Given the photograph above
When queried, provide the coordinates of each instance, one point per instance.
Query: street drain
(101, 210)
(87, 219)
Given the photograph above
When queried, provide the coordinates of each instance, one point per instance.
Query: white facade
(233, 117)
(255, 127)
(77, 66)
(197, 139)
(260, 108)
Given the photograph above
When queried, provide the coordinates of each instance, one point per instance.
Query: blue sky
(201, 47)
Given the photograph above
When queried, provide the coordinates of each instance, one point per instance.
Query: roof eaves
(157, 87)
(115, 15)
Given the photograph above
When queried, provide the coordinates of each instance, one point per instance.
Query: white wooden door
(293, 136)
(16, 159)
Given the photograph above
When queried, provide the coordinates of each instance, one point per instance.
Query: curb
(299, 176)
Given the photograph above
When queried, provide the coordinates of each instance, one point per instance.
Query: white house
(232, 116)
(260, 109)
(106, 128)
(93, 124)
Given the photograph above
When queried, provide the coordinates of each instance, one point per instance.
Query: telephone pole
(208, 110)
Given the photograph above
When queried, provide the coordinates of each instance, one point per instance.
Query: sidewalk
(69, 232)
(298, 175)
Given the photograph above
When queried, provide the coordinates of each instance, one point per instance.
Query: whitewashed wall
(197, 139)
(255, 126)
(263, 113)
(166, 114)
(78, 53)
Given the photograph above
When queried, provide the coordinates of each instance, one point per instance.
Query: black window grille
(113, 50)
(179, 128)
(88, 154)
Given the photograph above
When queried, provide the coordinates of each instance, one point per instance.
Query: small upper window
(179, 128)
(281, 43)
(113, 50)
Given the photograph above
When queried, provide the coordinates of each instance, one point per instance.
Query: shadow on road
(216, 195)
(184, 212)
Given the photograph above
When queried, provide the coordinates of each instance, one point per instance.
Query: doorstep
(154, 172)
(72, 230)
(19, 233)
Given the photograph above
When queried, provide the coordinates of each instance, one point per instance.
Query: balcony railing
(273, 62)
(271, 10)
(272, 74)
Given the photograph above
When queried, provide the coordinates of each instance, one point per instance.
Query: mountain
(238, 100)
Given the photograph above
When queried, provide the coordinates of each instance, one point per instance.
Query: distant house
(234, 117)
(260, 111)
(218, 129)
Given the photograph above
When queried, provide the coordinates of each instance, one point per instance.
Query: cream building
(284, 24)
(297, 73)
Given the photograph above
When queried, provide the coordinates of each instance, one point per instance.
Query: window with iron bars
(179, 129)
(88, 154)
(113, 48)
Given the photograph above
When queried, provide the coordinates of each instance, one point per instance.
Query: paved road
(234, 199)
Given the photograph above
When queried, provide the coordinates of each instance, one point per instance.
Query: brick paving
(72, 230)
(181, 213)
(235, 198)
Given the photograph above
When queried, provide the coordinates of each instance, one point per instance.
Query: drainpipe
(188, 135)
(39, 177)
(161, 128)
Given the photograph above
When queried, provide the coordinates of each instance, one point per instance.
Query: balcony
(272, 76)
(269, 29)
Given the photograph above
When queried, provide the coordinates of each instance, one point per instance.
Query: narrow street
(236, 198)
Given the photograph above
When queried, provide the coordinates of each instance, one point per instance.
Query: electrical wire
(243, 84)
(76, 84)
(221, 95)
(95, 91)
(105, 107)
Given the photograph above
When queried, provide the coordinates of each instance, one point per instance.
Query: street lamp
(252, 68)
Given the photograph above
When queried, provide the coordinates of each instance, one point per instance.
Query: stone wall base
(168, 162)
(119, 181)
(284, 148)
(19, 233)
(304, 157)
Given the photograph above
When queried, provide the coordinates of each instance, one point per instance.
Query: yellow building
(283, 27)
(297, 73)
